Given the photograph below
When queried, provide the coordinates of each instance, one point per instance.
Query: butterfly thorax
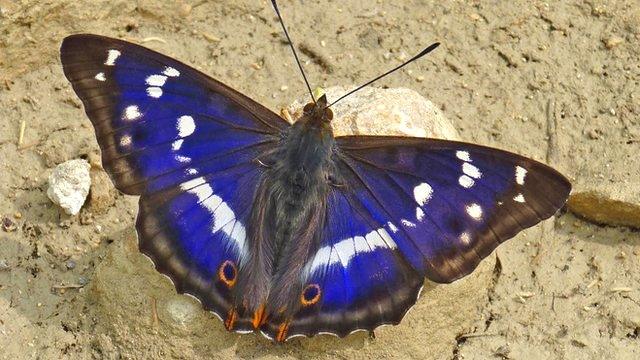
(285, 224)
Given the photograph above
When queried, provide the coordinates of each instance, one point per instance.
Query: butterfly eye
(228, 273)
(308, 108)
(328, 113)
(310, 295)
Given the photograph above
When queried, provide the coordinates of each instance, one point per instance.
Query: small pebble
(284, 88)
(185, 10)
(594, 134)
(8, 225)
(17, 215)
(4, 266)
(613, 41)
(65, 224)
(420, 78)
(70, 264)
(86, 218)
(181, 309)
(83, 281)
(323, 43)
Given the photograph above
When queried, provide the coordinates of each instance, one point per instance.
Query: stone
(69, 185)
(605, 207)
(606, 188)
(182, 309)
(375, 111)
(103, 194)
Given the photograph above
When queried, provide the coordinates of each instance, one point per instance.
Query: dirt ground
(567, 289)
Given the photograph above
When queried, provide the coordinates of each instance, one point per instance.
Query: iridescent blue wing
(408, 208)
(185, 142)
(450, 203)
(357, 279)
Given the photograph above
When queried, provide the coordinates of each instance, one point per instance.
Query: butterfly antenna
(424, 52)
(295, 54)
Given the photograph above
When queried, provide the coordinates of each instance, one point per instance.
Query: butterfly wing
(409, 208)
(449, 203)
(356, 280)
(185, 142)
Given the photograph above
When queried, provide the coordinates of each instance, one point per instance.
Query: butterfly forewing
(188, 144)
(154, 115)
(449, 203)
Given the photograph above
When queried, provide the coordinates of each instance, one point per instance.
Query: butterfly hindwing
(355, 280)
(449, 204)
(184, 142)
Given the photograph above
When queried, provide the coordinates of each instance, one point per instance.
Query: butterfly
(283, 228)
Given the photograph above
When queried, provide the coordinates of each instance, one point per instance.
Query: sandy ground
(566, 289)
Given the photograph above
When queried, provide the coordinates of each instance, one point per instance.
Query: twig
(621, 289)
(154, 312)
(552, 128)
(153, 38)
(70, 286)
(23, 126)
(476, 335)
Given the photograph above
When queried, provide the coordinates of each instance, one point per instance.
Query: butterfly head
(318, 114)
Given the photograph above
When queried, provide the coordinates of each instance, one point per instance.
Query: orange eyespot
(310, 295)
(228, 273)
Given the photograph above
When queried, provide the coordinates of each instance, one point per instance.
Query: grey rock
(69, 185)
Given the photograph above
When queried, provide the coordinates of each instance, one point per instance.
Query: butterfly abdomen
(285, 225)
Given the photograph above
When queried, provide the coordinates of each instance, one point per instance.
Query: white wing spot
(471, 171)
(125, 140)
(183, 159)
(186, 126)
(112, 55)
(392, 227)
(519, 198)
(475, 211)
(419, 214)
(422, 193)
(131, 112)
(156, 80)
(465, 181)
(463, 155)
(386, 238)
(345, 250)
(192, 171)
(520, 175)
(100, 76)
(169, 71)
(191, 184)
(407, 223)
(223, 217)
(176, 145)
(465, 238)
(154, 92)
